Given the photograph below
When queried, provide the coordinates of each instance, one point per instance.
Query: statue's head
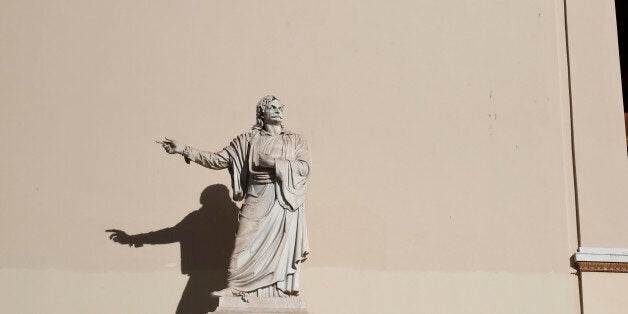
(269, 111)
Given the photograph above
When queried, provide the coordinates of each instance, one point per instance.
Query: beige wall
(599, 144)
(604, 293)
(440, 135)
(601, 161)
(357, 291)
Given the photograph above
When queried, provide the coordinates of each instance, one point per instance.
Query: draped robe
(271, 241)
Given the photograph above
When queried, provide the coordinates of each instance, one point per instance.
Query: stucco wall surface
(604, 293)
(439, 134)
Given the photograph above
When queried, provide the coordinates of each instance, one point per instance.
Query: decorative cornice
(601, 260)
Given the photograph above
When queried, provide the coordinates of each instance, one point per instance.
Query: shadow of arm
(163, 236)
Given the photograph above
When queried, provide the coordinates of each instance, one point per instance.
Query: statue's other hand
(266, 161)
(171, 146)
(122, 237)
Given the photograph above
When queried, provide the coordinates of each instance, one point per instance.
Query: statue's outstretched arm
(219, 160)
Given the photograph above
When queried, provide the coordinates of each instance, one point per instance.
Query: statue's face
(273, 113)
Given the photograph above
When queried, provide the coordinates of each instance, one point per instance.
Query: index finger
(113, 230)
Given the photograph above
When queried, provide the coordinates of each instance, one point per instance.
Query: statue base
(235, 304)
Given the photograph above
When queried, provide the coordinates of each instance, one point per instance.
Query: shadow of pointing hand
(122, 237)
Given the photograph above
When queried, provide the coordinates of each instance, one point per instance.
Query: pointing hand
(171, 146)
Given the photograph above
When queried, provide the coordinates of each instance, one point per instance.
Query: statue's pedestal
(235, 304)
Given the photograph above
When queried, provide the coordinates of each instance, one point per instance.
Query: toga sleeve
(216, 161)
(293, 172)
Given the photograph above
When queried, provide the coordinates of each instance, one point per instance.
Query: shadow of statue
(206, 237)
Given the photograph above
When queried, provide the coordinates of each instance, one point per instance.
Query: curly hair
(261, 106)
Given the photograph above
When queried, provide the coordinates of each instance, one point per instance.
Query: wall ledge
(590, 259)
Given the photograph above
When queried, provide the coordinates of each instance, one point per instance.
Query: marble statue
(269, 169)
